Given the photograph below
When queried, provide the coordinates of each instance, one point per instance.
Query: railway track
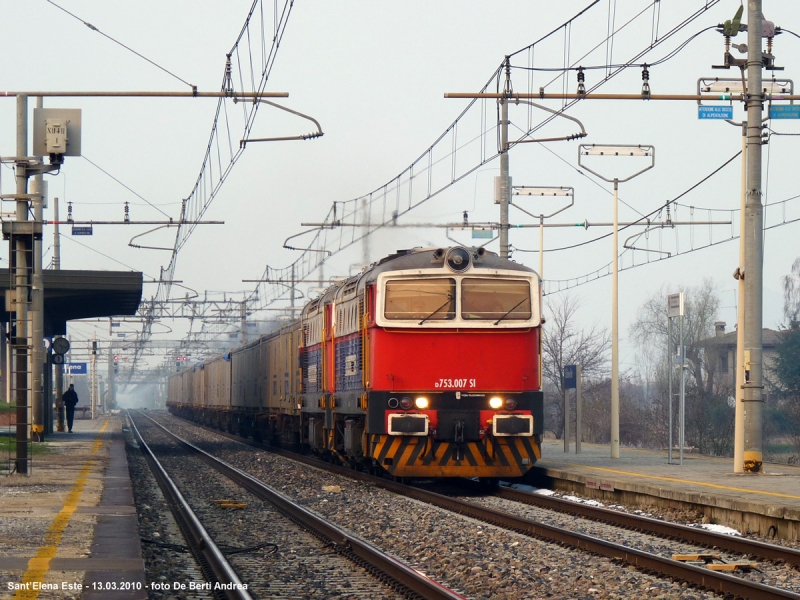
(216, 569)
(696, 575)
(387, 571)
(657, 527)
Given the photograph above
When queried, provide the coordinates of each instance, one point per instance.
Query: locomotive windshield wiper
(449, 298)
(515, 307)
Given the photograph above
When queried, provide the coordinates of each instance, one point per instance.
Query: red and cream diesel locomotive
(427, 364)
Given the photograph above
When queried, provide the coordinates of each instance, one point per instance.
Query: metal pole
(578, 407)
(37, 320)
(94, 372)
(681, 439)
(20, 275)
(56, 238)
(738, 443)
(753, 250)
(58, 377)
(615, 332)
(291, 298)
(243, 319)
(670, 369)
(505, 186)
(4, 354)
(566, 419)
(541, 247)
(108, 398)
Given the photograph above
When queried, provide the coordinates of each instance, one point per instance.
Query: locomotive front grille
(408, 424)
(512, 425)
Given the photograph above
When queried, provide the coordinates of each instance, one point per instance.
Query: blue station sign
(784, 112)
(75, 368)
(715, 112)
(570, 377)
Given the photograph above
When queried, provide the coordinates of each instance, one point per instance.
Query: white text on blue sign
(715, 112)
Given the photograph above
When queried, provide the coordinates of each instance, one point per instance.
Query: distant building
(721, 353)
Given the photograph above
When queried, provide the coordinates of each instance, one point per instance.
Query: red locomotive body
(432, 366)
(425, 365)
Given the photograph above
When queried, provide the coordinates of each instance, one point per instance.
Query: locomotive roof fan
(458, 259)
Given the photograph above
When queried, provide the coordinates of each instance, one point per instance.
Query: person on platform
(70, 399)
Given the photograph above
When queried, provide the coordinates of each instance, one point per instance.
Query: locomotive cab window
(509, 300)
(420, 299)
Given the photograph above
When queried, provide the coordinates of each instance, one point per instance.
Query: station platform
(766, 503)
(69, 529)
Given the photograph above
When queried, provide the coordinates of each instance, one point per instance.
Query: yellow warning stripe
(39, 565)
(700, 483)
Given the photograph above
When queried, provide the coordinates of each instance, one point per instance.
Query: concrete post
(578, 406)
(615, 331)
(37, 316)
(58, 377)
(753, 249)
(20, 275)
(505, 184)
(670, 369)
(681, 420)
(738, 438)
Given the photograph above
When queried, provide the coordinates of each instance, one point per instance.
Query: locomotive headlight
(405, 402)
(421, 403)
(496, 402)
(510, 403)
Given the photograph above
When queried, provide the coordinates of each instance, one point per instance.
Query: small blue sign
(570, 377)
(482, 234)
(715, 112)
(75, 368)
(82, 230)
(784, 112)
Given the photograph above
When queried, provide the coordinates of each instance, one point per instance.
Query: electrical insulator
(228, 83)
(581, 79)
(127, 212)
(69, 212)
(645, 82)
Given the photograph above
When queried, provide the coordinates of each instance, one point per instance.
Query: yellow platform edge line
(39, 565)
(676, 480)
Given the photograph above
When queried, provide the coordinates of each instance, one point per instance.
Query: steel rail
(366, 552)
(657, 527)
(206, 552)
(696, 575)
(640, 559)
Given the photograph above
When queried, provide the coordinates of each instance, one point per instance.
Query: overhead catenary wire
(655, 63)
(135, 193)
(93, 28)
(103, 254)
(390, 193)
(648, 215)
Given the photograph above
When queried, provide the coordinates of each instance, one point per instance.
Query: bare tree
(701, 305)
(709, 418)
(563, 343)
(791, 295)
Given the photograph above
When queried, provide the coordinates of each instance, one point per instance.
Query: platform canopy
(70, 295)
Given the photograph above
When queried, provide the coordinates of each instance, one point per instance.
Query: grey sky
(374, 75)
